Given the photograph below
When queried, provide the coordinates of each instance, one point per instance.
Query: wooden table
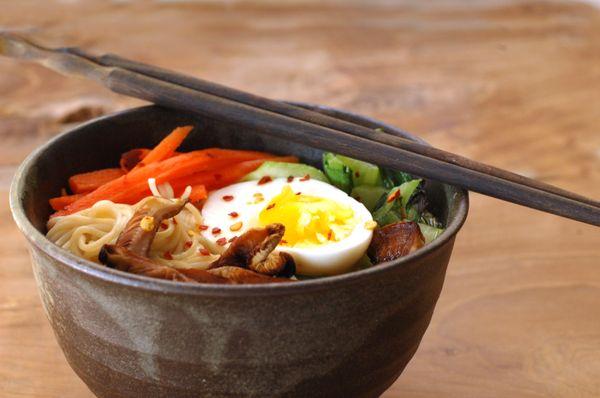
(513, 84)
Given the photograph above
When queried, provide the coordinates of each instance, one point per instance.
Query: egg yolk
(308, 220)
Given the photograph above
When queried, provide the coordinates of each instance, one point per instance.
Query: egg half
(326, 231)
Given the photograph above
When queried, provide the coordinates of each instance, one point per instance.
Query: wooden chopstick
(176, 96)
(307, 115)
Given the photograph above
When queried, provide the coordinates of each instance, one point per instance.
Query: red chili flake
(329, 234)
(283, 242)
(222, 241)
(187, 244)
(290, 179)
(298, 193)
(202, 227)
(174, 221)
(269, 207)
(233, 214)
(164, 225)
(168, 256)
(218, 176)
(204, 252)
(233, 239)
(264, 180)
(216, 231)
(393, 196)
(357, 174)
(228, 198)
(305, 178)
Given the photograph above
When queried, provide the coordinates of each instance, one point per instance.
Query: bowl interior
(99, 143)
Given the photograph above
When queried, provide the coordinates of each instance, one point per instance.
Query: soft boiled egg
(326, 231)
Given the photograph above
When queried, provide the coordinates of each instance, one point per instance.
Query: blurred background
(512, 83)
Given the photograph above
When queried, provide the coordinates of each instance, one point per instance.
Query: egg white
(329, 258)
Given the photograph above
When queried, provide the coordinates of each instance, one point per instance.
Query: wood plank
(513, 84)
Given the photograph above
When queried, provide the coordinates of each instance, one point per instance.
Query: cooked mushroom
(130, 252)
(394, 241)
(143, 225)
(233, 275)
(125, 260)
(254, 250)
(278, 263)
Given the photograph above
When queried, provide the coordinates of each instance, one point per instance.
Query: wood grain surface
(514, 84)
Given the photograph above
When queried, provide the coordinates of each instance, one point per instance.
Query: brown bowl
(129, 336)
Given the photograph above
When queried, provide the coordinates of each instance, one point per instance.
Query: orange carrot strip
(219, 178)
(166, 148)
(198, 193)
(87, 182)
(137, 191)
(61, 202)
(130, 159)
(174, 168)
(133, 186)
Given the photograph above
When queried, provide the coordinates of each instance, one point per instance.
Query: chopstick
(321, 119)
(300, 126)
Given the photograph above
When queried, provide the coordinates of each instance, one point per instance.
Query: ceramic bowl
(130, 336)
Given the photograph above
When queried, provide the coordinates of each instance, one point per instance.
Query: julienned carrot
(219, 178)
(141, 190)
(61, 202)
(180, 167)
(198, 193)
(87, 182)
(132, 187)
(166, 148)
(131, 158)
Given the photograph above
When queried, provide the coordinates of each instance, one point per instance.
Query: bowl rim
(94, 270)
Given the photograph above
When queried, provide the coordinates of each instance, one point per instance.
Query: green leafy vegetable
(376, 188)
(392, 178)
(407, 189)
(389, 211)
(283, 170)
(429, 219)
(429, 232)
(416, 204)
(338, 173)
(368, 195)
(393, 208)
(363, 173)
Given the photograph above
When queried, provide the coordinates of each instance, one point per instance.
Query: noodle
(177, 243)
